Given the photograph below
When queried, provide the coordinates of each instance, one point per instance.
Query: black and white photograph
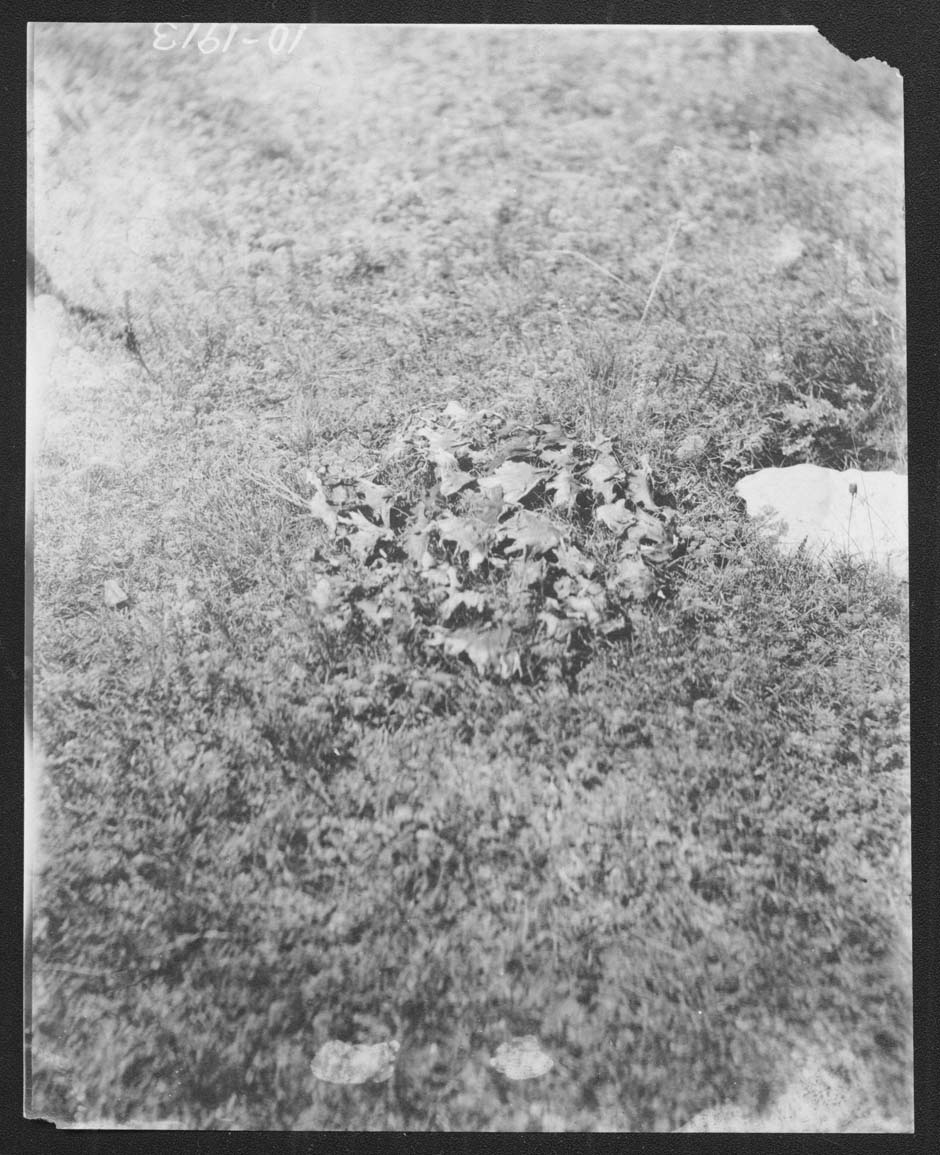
(468, 677)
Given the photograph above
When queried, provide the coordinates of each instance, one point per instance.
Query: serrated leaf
(364, 536)
(442, 575)
(584, 606)
(352, 1064)
(632, 579)
(358, 520)
(378, 497)
(467, 535)
(560, 457)
(453, 479)
(486, 508)
(477, 455)
(441, 439)
(530, 533)
(556, 627)
(446, 462)
(603, 475)
(530, 572)
(399, 444)
(414, 541)
(616, 629)
(615, 516)
(564, 586)
(452, 642)
(658, 554)
(565, 487)
(591, 588)
(522, 445)
(522, 1058)
(442, 446)
(638, 488)
(488, 649)
(645, 527)
(508, 664)
(514, 478)
(573, 561)
(323, 511)
(377, 612)
(462, 599)
(553, 435)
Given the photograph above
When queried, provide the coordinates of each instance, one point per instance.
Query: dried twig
(279, 489)
(582, 257)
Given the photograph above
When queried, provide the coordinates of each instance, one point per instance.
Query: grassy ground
(286, 798)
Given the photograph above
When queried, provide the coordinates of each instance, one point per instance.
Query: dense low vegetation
(442, 693)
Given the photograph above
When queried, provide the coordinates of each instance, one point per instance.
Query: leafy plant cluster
(843, 388)
(511, 547)
(282, 813)
(833, 384)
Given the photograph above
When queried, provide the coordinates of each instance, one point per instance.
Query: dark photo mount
(126, 330)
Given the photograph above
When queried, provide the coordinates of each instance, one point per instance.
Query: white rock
(819, 507)
(788, 249)
(522, 1058)
(355, 1063)
(825, 1093)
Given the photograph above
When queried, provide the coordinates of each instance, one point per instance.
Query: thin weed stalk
(598, 392)
(671, 240)
(657, 281)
